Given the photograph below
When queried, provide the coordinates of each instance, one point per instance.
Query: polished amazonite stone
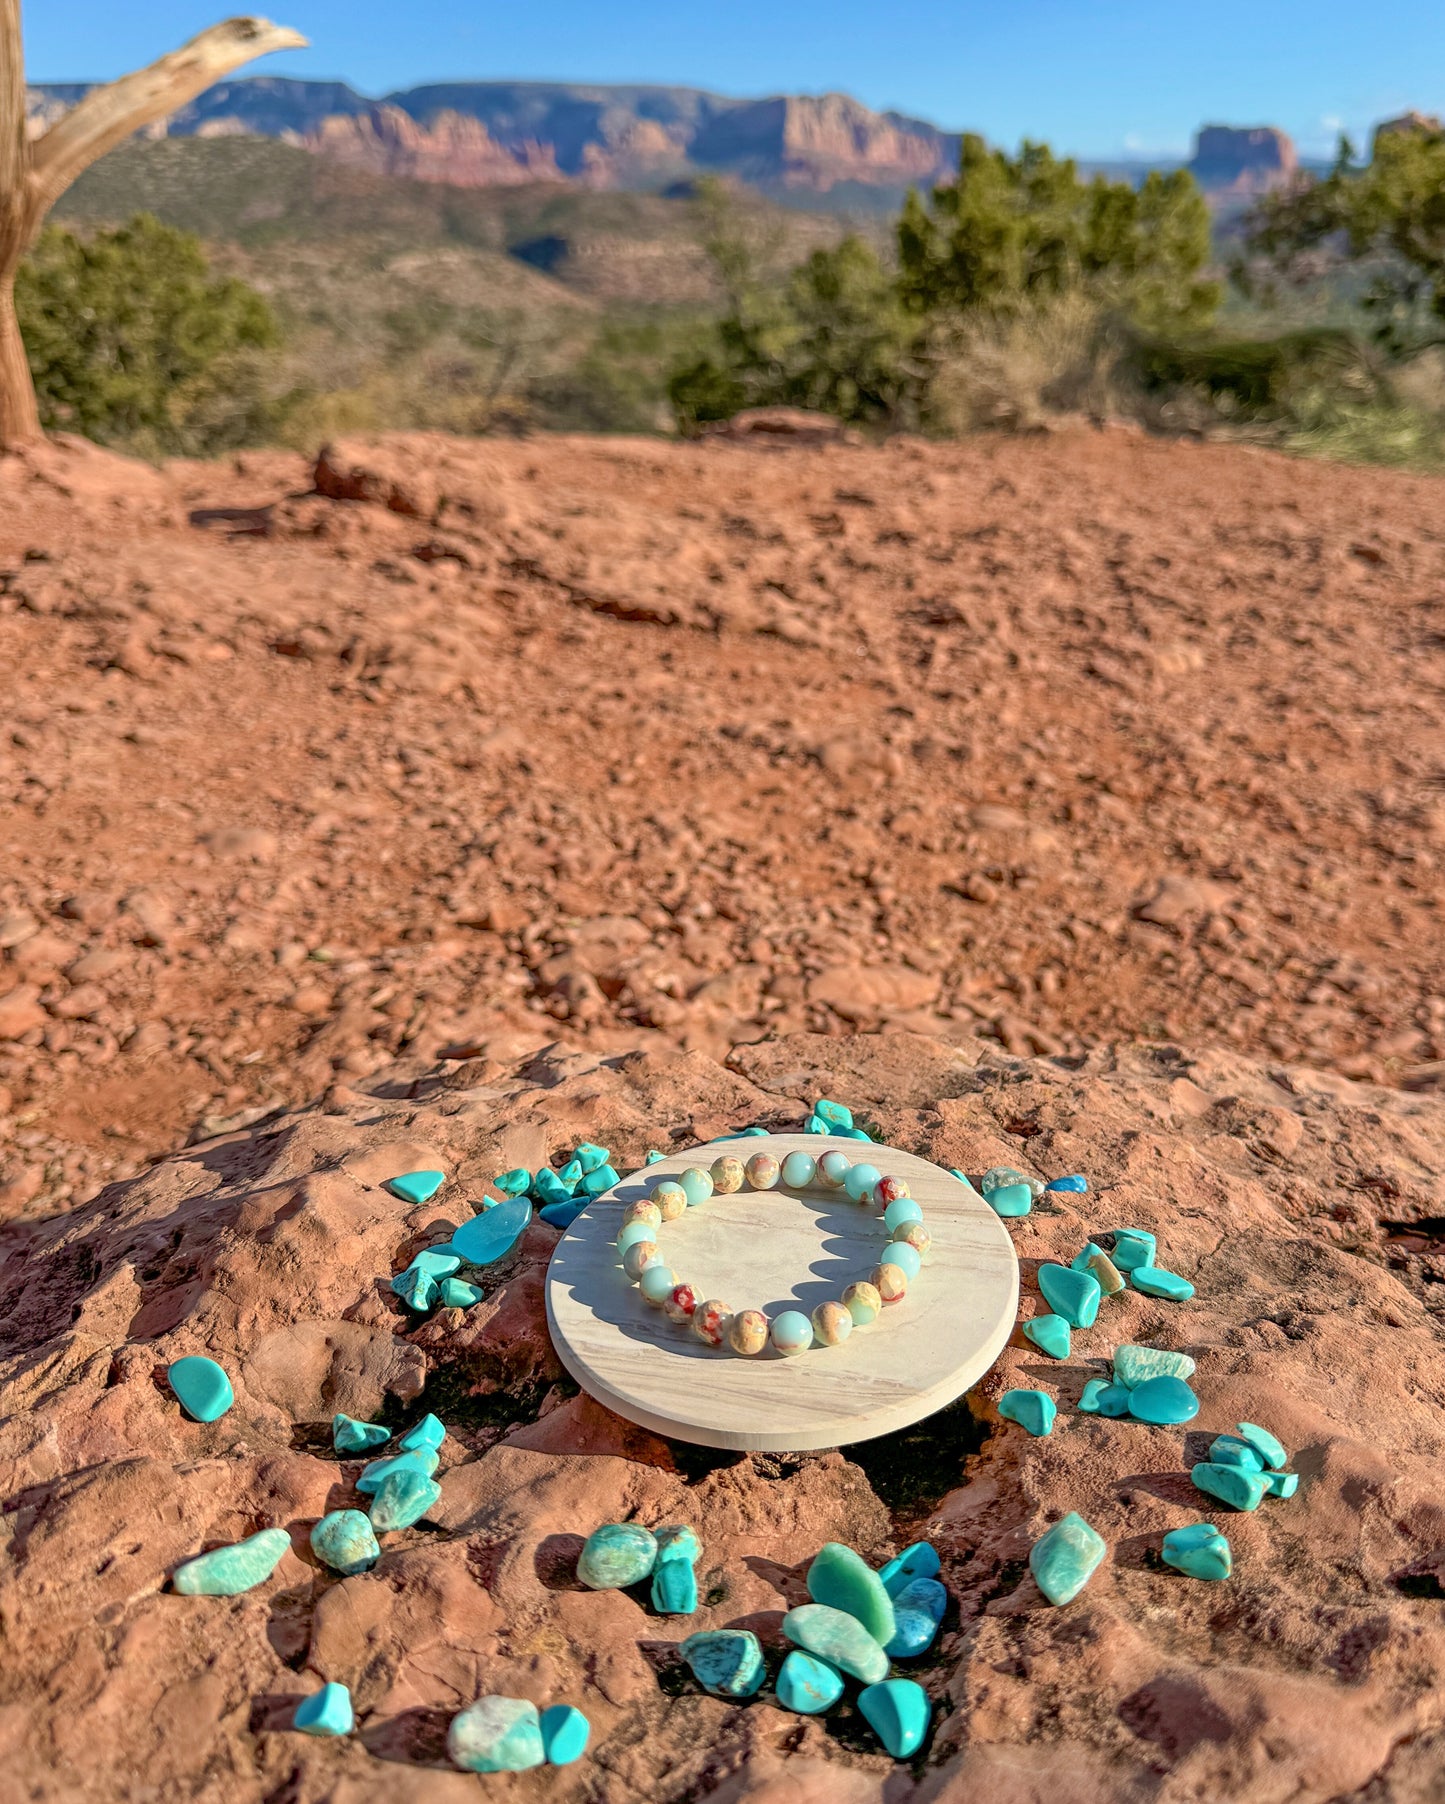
(792, 1332)
(492, 1234)
(898, 1712)
(1154, 1281)
(591, 1158)
(350, 1436)
(799, 1170)
(1270, 1450)
(840, 1639)
(416, 1288)
(325, 1712)
(456, 1293)
(1081, 1262)
(427, 1433)
(807, 1684)
(419, 1459)
(726, 1662)
(496, 1735)
(1076, 1183)
(402, 1498)
(918, 1561)
(863, 1303)
(1241, 1490)
(1132, 1365)
(1073, 1295)
(1051, 1333)
(833, 1169)
(657, 1284)
(1066, 1558)
(616, 1555)
(227, 1571)
(1164, 1401)
(907, 1258)
(998, 1176)
(565, 1734)
(201, 1387)
(918, 1610)
(696, 1185)
(1281, 1484)
(1133, 1248)
(345, 1541)
(843, 1579)
(1231, 1450)
(1010, 1199)
(416, 1186)
(1200, 1550)
(860, 1182)
(1033, 1410)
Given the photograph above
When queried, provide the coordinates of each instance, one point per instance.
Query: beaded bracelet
(748, 1331)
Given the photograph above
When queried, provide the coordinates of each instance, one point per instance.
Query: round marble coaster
(775, 1250)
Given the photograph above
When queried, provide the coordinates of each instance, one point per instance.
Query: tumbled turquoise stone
(815, 1124)
(1081, 1263)
(1154, 1281)
(344, 1541)
(456, 1293)
(597, 1181)
(908, 1259)
(838, 1638)
(836, 1114)
(897, 1711)
(1132, 1365)
(202, 1389)
(1163, 1401)
(654, 1157)
(1073, 1295)
(427, 1433)
(807, 1685)
(1064, 1560)
(799, 1170)
(415, 1288)
(1033, 1410)
(416, 1186)
(726, 1662)
(436, 1262)
(1076, 1183)
(492, 1235)
(918, 1609)
(591, 1158)
(1113, 1400)
(1281, 1484)
(860, 1182)
(516, 1182)
(1133, 1249)
(421, 1459)
(350, 1436)
(571, 1175)
(1230, 1450)
(561, 1215)
(565, 1733)
(616, 1555)
(227, 1571)
(1242, 1490)
(904, 1209)
(1051, 1333)
(1010, 1199)
(402, 1498)
(325, 1712)
(1200, 1550)
(998, 1176)
(1264, 1443)
(496, 1735)
(1093, 1390)
(547, 1187)
(674, 1587)
(918, 1561)
(696, 1185)
(842, 1579)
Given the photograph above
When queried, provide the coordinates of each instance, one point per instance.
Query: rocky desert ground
(1074, 802)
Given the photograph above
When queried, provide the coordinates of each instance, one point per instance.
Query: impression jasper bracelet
(748, 1331)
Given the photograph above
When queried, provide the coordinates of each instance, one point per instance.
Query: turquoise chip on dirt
(807, 1684)
(416, 1288)
(427, 1433)
(1050, 1333)
(1269, 1449)
(350, 1436)
(416, 1186)
(1066, 1558)
(1073, 1295)
(456, 1293)
(1010, 1200)
(228, 1571)
(591, 1158)
(516, 1182)
(1154, 1281)
(726, 1662)
(1199, 1550)
(1032, 1410)
(898, 1712)
(565, 1733)
(1239, 1489)
(344, 1541)
(325, 1712)
(202, 1388)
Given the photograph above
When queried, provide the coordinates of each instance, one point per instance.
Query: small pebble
(654, 1157)
(1154, 1281)
(565, 1734)
(845, 1581)
(427, 1433)
(1281, 1484)
(325, 1712)
(416, 1186)
(1199, 1550)
(350, 1436)
(1033, 1410)
(1093, 1390)
(1073, 1295)
(1010, 1200)
(1270, 1450)
(1066, 1558)
(492, 1235)
(1166, 1402)
(345, 1541)
(456, 1293)
(201, 1387)
(228, 1571)
(402, 1498)
(807, 1684)
(436, 1262)
(596, 1183)
(496, 1735)
(836, 1114)
(898, 1712)
(1111, 1279)
(674, 1580)
(1241, 1490)
(556, 1215)
(1051, 1334)
(1133, 1249)
(416, 1288)
(421, 1459)
(999, 1177)
(726, 1662)
(591, 1158)
(1230, 1450)
(516, 1182)
(918, 1611)
(617, 1555)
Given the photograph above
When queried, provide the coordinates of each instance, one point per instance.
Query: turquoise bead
(860, 1181)
(696, 1185)
(726, 1662)
(416, 1288)
(838, 1638)
(1093, 1390)
(1199, 1550)
(657, 1283)
(416, 1186)
(202, 1389)
(1133, 1249)
(1154, 1281)
(597, 1181)
(1073, 1295)
(350, 1436)
(1163, 1401)
(422, 1459)
(1264, 1443)
(1281, 1484)
(1010, 1199)
(492, 1234)
(402, 1498)
(565, 1734)
(496, 1735)
(1241, 1490)
(807, 1685)
(908, 1259)
(1230, 1450)
(840, 1578)
(836, 1114)
(1132, 1365)
(904, 1209)
(1033, 1410)
(792, 1332)
(918, 1610)
(1051, 1333)
(325, 1712)
(591, 1158)
(427, 1433)
(898, 1712)
(799, 1170)
(918, 1561)
(516, 1182)
(616, 1555)
(344, 1541)
(436, 1262)
(1065, 1559)
(456, 1293)
(227, 1571)
(634, 1233)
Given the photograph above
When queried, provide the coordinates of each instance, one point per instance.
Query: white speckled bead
(799, 1170)
(832, 1324)
(763, 1171)
(638, 1257)
(833, 1169)
(657, 1284)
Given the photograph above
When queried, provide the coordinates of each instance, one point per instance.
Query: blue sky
(1097, 77)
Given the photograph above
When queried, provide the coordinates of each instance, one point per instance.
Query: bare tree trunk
(33, 175)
